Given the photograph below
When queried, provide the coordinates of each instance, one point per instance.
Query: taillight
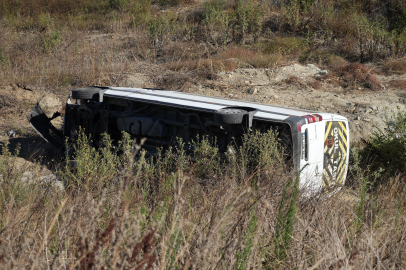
(299, 127)
(312, 118)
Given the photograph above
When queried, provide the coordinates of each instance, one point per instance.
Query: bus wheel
(229, 115)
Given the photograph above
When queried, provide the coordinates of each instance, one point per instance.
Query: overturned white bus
(320, 140)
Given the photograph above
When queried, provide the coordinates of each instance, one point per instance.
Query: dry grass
(315, 84)
(10, 106)
(396, 66)
(59, 58)
(355, 75)
(176, 219)
(291, 46)
(399, 84)
(294, 80)
(226, 59)
(322, 58)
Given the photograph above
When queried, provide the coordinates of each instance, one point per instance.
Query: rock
(357, 117)
(11, 133)
(323, 72)
(366, 120)
(375, 108)
(351, 109)
(49, 103)
(253, 90)
(357, 110)
(27, 177)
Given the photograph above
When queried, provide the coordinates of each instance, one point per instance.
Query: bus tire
(229, 116)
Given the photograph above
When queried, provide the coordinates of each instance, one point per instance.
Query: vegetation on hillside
(202, 36)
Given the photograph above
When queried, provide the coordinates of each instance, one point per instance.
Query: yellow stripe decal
(343, 137)
(343, 149)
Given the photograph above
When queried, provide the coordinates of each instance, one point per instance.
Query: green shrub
(117, 4)
(160, 27)
(96, 167)
(140, 13)
(235, 22)
(291, 13)
(259, 151)
(52, 40)
(207, 158)
(387, 146)
(217, 21)
(249, 19)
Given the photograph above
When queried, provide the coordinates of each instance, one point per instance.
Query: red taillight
(318, 117)
(312, 118)
(299, 127)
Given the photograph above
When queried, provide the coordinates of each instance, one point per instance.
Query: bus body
(318, 142)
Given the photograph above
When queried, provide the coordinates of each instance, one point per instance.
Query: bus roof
(203, 103)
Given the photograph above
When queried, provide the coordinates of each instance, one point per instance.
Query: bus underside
(162, 125)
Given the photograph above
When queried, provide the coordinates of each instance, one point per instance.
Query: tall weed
(285, 222)
(3, 58)
(207, 157)
(243, 256)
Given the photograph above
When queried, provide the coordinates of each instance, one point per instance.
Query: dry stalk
(49, 232)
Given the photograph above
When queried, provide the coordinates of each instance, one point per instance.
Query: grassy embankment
(50, 42)
(240, 212)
